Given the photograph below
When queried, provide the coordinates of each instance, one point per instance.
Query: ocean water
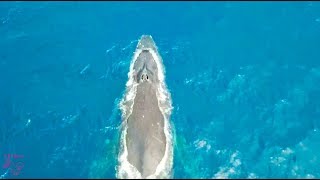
(244, 79)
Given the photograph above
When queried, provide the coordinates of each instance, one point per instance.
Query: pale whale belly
(146, 141)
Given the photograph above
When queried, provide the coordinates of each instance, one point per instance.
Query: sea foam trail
(124, 168)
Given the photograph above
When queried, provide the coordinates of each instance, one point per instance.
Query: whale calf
(146, 138)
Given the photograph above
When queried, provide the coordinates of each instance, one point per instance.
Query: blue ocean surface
(244, 79)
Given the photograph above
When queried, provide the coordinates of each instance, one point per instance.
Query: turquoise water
(244, 79)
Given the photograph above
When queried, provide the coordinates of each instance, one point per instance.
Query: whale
(146, 149)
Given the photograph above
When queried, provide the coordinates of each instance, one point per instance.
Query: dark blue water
(244, 79)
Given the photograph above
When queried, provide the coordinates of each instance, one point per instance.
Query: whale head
(145, 67)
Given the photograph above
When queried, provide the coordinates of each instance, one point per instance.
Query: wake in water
(146, 149)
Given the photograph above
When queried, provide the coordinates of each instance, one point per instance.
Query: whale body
(146, 140)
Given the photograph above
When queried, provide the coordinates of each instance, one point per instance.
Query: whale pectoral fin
(136, 159)
(135, 144)
(151, 159)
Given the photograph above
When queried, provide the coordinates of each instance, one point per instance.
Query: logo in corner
(13, 163)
